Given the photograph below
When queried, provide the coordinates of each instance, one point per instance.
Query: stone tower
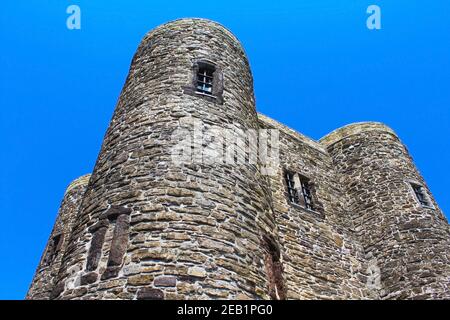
(407, 240)
(348, 216)
(44, 278)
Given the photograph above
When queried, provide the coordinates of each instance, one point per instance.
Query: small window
(421, 195)
(292, 191)
(306, 193)
(300, 191)
(205, 78)
(206, 82)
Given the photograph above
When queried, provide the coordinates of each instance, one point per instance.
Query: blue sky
(58, 89)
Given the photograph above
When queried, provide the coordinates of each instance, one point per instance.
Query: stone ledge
(291, 132)
(81, 181)
(181, 21)
(352, 129)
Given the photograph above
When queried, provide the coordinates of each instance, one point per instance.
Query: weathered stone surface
(115, 211)
(142, 279)
(154, 229)
(197, 272)
(165, 281)
(89, 278)
(150, 294)
(110, 272)
(56, 291)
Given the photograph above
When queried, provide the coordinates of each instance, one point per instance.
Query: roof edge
(293, 133)
(80, 181)
(352, 129)
(193, 19)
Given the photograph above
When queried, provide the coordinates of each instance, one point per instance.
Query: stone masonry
(346, 217)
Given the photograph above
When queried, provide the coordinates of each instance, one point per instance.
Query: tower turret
(43, 281)
(151, 228)
(405, 235)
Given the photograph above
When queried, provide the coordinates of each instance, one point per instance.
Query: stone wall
(322, 259)
(150, 228)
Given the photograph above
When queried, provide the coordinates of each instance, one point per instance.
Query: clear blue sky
(58, 89)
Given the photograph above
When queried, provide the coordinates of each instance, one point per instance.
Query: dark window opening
(115, 218)
(306, 193)
(274, 270)
(205, 76)
(95, 250)
(292, 191)
(421, 195)
(53, 249)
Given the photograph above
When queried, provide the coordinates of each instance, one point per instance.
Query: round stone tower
(405, 235)
(43, 281)
(152, 228)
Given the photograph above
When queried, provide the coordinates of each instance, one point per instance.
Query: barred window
(206, 82)
(292, 191)
(300, 191)
(306, 193)
(421, 195)
(205, 79)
